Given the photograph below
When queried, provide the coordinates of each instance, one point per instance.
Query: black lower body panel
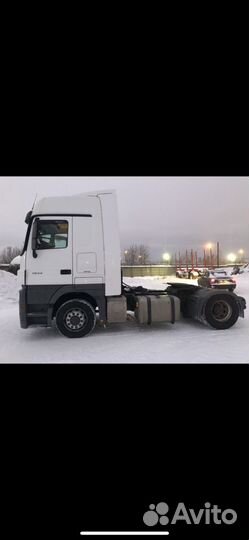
(37, 302)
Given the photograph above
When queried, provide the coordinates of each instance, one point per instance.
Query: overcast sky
(166, 214)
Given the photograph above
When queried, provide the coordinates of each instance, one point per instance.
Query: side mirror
(34, 236)
(28, 217)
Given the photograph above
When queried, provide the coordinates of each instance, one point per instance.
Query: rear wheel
(221, 311)
(76, 318)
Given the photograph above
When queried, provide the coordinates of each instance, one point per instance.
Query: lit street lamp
(231, 257)
(166, 257)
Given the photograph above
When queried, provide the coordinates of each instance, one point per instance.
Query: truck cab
(72, 250)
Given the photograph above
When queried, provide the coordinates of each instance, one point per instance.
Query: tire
(221, 311)
(76, 318)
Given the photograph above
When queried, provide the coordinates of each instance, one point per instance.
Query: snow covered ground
(185, 342)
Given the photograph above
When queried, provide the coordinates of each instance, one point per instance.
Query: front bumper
(23, 307)
(223, 286)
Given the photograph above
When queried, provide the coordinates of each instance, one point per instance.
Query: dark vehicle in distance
(240, 269)
(193, 273)
(203, 272)
(182, 273)
(217, 280)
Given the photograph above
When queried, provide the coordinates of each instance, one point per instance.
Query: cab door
(49, 253)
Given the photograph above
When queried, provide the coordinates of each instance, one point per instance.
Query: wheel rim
(75, 319)
(221, 311)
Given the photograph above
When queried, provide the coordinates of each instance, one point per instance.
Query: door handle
(66, 271)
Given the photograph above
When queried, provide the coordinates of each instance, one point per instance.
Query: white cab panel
(21, 272)
(88, 253)
(111, 244)
(88, 281)
(86, 262)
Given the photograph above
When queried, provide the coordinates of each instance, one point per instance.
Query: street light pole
(218, 254)
(192, 259)
(204, 260)
(241, 252)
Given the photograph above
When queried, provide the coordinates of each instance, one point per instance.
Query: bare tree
(136, 255)
(131, 255)
(143, 255)
(8, 254)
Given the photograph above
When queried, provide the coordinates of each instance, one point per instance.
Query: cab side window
(52, 234)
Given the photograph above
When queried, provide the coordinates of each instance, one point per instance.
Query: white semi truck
(70, 273)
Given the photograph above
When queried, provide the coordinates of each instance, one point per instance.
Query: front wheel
(75, 318)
